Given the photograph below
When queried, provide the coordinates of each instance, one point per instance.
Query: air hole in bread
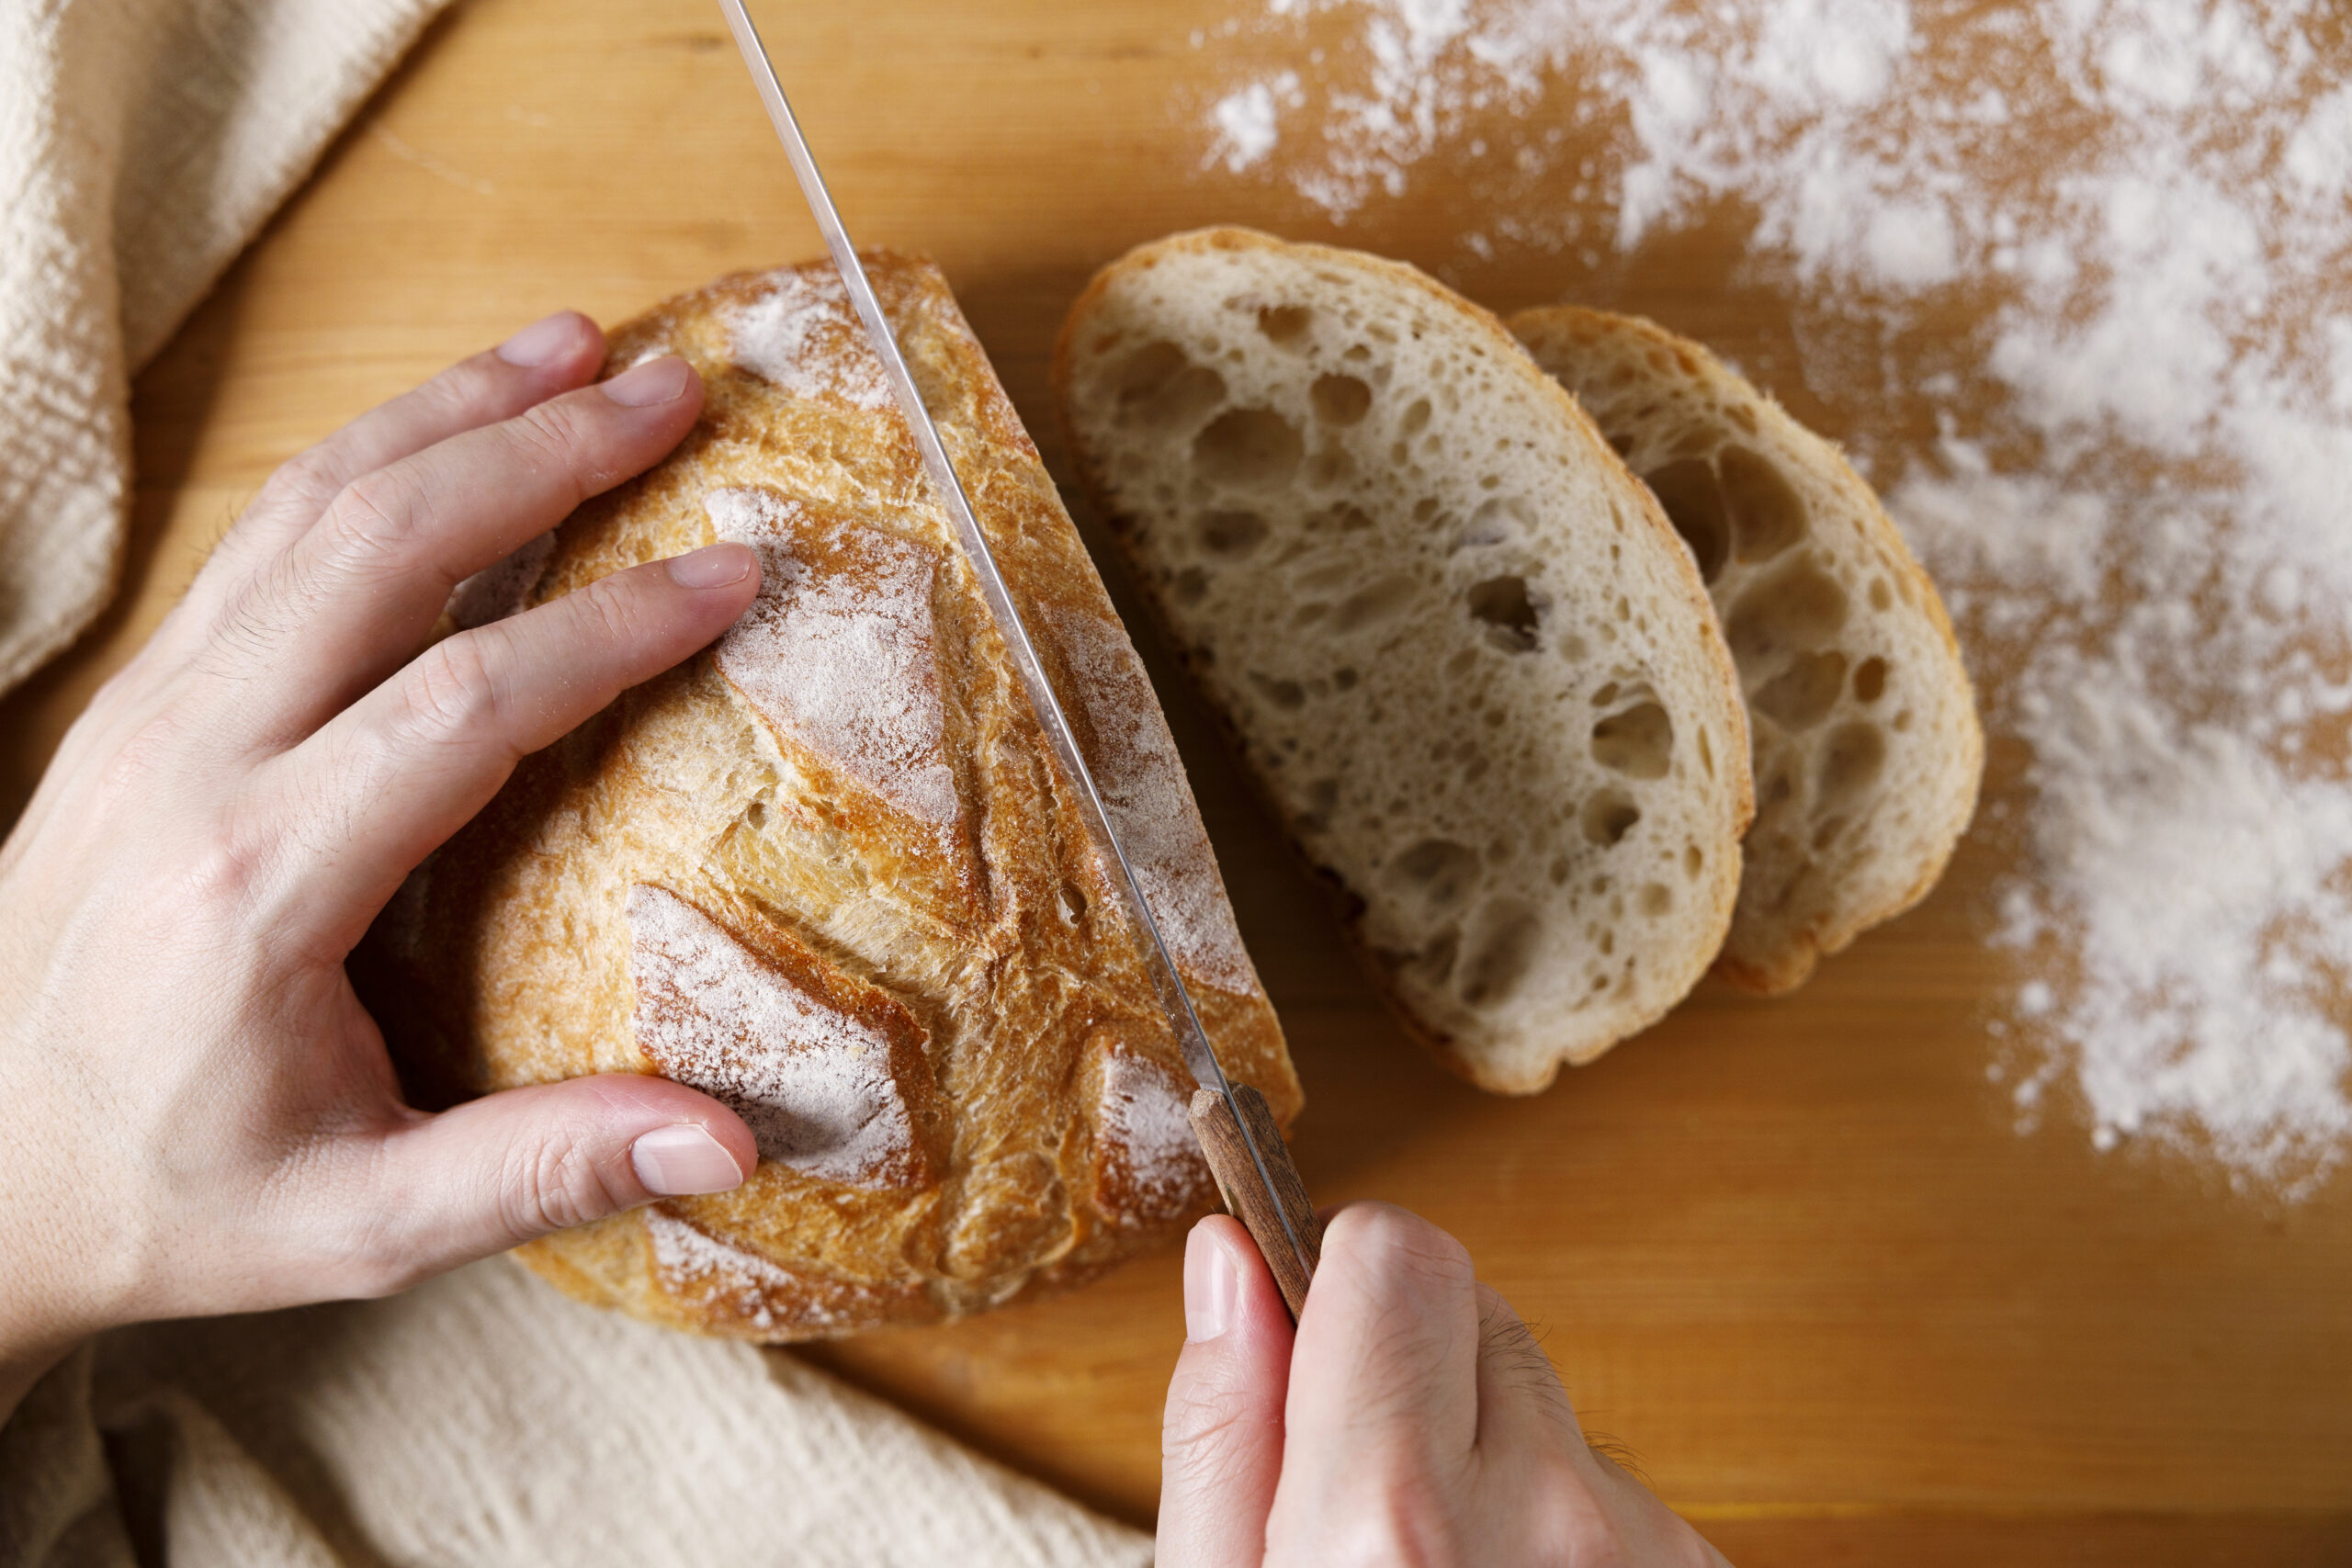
(1232, 533)
(1344, 679)
(1902, 721)
(1372, 604)
(1794, 610)
(1160, 386)
(1500, 953)
(1608, 816)
(1436, 958)
(1881, 599)
(1073, 903)
(1285, 324)
(1656, 900)
(1308, 612)
(1331, 468)
(1694, 861)
(1509, 612)
(1870, 680)
(1189, 586)
(1338, 398)
(1288, 696)
(757, 816)
(1417, 414)
(1826, 833)
(1603, 939)
(1346, 517)
(1637, 743)
(1439, 871)
(1801, 695)
(1767, 514)
(1248, 448)
(1851, 762)
(1694, 505)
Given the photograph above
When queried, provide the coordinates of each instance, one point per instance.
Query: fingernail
(713, 566)
(675, 1161)
(539, 342)
(1210, 1287)
(655, 381)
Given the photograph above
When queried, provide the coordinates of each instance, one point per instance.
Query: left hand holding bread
(200, 1116)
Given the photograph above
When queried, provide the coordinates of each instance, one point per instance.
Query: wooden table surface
(1796, 1256)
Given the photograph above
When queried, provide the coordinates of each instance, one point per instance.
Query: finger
(1388, 1351)
(499, 1171)
(355, 597)
(390, 778)
(1221, 1442)
(551, 355)
(1522, 1405)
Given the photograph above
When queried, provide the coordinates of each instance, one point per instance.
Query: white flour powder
(2138, 502)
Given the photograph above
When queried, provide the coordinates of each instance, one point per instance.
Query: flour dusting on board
(812, 1083)
(2136, 501)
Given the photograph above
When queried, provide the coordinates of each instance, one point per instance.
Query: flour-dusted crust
(1458, 644)
(1868, 748)
(826, 870)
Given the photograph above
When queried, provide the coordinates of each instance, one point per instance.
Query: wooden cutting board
(1794, 1254)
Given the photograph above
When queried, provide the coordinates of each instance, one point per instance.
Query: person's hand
(198, 1115)
(1411, 1418)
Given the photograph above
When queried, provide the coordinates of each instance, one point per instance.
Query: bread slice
(828, 871)
(1459, 645)
(1868, 750)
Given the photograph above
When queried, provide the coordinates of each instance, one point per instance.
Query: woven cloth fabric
(142, 143)
(484, 1419)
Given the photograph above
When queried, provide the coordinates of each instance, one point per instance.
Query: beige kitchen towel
(484, 1419)
(142, 143)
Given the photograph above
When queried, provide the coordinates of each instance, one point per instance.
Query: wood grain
(1273, 1205)
(1798, 1256)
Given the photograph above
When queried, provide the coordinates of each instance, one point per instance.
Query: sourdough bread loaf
(1868, 750)
(826, 870)
(1458, 644)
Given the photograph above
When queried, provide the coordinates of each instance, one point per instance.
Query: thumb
(1221, 1443)
(498, 1171)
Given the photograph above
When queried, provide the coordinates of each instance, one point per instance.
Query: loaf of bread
(826, 870)
(1868, 750)
(1459, 645)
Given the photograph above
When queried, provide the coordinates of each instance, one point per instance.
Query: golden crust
(842, 816)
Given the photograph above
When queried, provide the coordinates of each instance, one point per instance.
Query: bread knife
(1254, 1173)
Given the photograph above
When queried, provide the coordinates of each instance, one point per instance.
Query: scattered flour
(2136, 501)
(803, 336)
(841, 658)
(813, 1084)
(766, 1296)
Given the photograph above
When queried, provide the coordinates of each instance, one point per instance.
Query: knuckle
(309, 480)
(1388, 1239)
(1400, 1518)
(548, 1186)
(553, 437)
(1207, 1424)
(451, 690)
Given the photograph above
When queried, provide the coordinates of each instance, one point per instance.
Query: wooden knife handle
(1246, 1198)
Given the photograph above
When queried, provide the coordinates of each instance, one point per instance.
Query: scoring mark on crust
(819, 1078)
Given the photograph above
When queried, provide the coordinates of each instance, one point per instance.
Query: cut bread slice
(1868, 750)
(1459, 645)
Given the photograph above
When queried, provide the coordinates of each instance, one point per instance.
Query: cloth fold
(142, 143)
(485, 1419)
